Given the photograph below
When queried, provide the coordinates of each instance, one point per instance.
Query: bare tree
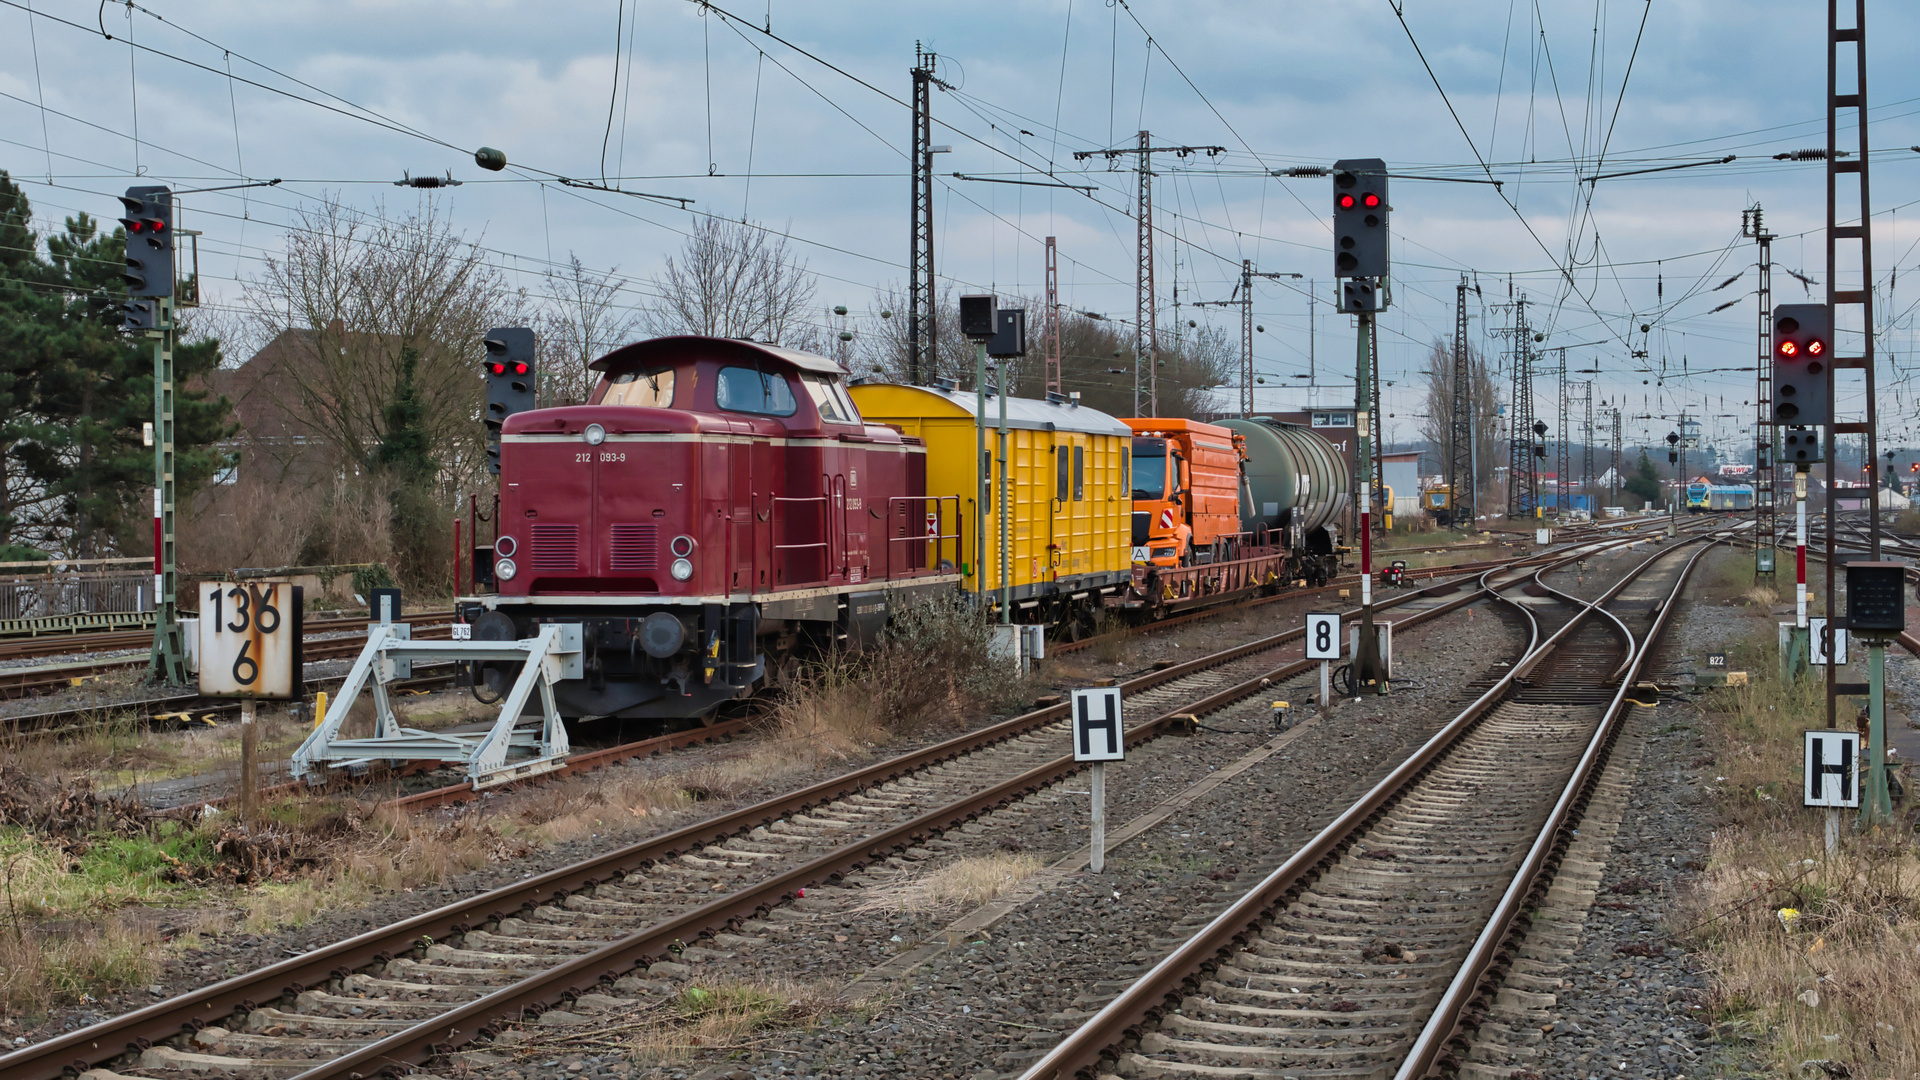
(358, 290)
(1436, 426)
(582, 320)
(735, 279)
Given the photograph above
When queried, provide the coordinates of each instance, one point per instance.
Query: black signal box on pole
(1876, 597)
(977, 318)
(1360, 237)
(510, 375)
(149, 271)
(1802, 352)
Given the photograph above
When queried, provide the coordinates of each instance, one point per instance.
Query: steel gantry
(1144, 347)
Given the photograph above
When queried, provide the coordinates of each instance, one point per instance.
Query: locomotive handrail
(773, 528)
(936, 537)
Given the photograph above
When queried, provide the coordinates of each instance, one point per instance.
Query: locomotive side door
(740, 511)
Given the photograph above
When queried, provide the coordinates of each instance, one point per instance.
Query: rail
(1143, 1000)
(1445, 1028)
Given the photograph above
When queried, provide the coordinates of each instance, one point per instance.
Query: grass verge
(1812, 957)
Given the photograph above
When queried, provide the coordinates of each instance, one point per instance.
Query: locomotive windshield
(645, 389)
(748, 390)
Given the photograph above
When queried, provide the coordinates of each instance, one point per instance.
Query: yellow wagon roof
(1021, 412)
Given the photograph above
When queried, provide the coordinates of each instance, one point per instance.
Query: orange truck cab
(1186, 489)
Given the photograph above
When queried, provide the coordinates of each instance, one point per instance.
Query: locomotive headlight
(505, 569)
(682, 569)
(595, 434)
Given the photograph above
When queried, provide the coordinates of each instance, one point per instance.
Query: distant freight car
(1296, 491)
(1070, 516)
(1187, 478)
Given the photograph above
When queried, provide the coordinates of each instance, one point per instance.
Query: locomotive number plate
(605, 455)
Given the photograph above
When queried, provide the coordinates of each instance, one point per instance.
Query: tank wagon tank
(1296, 490)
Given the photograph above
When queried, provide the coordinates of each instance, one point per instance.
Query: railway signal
(149, 272)
(1802, 350)
(511, 379)
(1360, 246)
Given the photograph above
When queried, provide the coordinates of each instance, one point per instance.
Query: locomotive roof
(1021, 412)
(678, 347)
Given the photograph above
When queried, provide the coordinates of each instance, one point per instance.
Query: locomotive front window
(645, 389)
(834, 404)
(741, 389)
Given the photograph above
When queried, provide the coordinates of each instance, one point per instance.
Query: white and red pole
(1800, 549)
(159, 572)
(1366, 544)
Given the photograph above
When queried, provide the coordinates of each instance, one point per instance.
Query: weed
(964, 883)
(1813, 954)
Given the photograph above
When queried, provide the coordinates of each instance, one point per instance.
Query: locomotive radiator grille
(556, 547)
(634, 547)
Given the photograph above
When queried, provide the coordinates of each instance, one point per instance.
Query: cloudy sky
(804, 130)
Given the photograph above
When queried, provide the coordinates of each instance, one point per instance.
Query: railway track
(24, 681)
(1372, 951)
(405, 993)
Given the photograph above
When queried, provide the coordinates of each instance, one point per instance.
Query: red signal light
(494, 367)
(136, 226)
(1372, 200)
(160, 224)
(1816, 347)
(1346, 202)
(1789, 348)
(520, 367)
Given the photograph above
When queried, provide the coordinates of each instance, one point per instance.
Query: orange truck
(1186, 489)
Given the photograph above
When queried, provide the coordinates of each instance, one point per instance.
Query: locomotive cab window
(828, 396)
(747, 390)
(645, 389)
(1062, 479)
(1079, 473)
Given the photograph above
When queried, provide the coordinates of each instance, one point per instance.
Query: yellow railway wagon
(1071, 522)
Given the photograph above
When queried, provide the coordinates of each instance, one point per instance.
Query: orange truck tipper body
(1186, 488)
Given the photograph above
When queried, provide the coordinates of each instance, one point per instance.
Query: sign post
(1098, 737)
(250, 648)
(1830, 763)
(1323, 644)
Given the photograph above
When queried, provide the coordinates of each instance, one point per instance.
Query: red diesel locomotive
(717, 507)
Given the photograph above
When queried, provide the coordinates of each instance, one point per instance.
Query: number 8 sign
(250, 639)
(1323, 636)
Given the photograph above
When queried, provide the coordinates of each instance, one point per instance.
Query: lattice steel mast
(1460, 478)
(921, 329)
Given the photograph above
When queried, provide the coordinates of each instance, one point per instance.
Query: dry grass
(1117, 643)
(115, 749)
(1833, 979)
(726, 1016)
(962, 884)
(43, 965)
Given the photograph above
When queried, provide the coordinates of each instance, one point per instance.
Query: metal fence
(55, 602)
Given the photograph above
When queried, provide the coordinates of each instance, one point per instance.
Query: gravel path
(986, 996)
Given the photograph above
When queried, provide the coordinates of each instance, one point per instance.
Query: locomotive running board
(503, 753)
